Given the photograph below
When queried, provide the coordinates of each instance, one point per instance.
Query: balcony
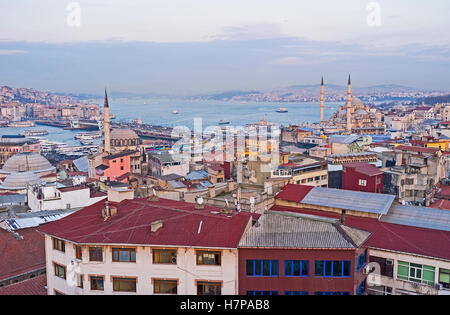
(408, 287)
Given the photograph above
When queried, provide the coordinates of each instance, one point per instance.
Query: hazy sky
(190, 46)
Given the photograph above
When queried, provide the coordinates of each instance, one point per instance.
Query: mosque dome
(19, 180)
(26, 162)
(356, 102)
(124, 137)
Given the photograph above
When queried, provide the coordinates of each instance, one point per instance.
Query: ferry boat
(281, 110)
(33, 133)
(19, 124)
(221, 122)
(175, 111)
(88, 135)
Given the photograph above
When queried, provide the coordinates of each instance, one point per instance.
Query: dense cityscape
(117, 179)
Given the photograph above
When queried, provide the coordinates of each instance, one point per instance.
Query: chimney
(156, 225)
(343, 216)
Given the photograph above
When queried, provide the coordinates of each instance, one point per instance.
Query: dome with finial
(124, 137)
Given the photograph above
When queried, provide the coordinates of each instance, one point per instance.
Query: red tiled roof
(441, 204)
(78, 173)
(182, 225)
(72, 188)
(293, 192)
(364, 168)
(21, 256)
(389, 236)
(417, 149)
(33, 286)
(443, 192)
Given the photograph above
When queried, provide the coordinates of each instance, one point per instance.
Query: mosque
(354, 118)
(122, 154)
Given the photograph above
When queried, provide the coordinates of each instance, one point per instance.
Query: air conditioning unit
(389, 262)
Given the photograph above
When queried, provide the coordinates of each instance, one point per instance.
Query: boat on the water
(19, 124)
(175, 111)
(221, 122)
(33, 133)
(281, 110)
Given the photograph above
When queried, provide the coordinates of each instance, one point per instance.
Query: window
(444, 277)
(331, 293)
(121, 160)
(59, 245)
(121, 168)
(361, 261)
(78, 252)
(267, 268)
(361, 288)
(97, 283)
(60, 271)
(80, 279)
(295, 292)
(415, 272)
(262, 292)
(296, 268)
(124, 254)
(165, 286)
(164, 256)
(208, 258)
(209, 288)
(95, 254)
(124, 284)
(332, 268)
(362, 182)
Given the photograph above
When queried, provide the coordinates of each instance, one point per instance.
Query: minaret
(106, 125)
(349, 105)
(321, 101)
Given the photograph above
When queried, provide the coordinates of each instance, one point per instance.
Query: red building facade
(298, 263)
(362, 177)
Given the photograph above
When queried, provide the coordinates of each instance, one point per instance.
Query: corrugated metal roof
(82, 164)
(33, 219)
(16, 198)
(349, 200)
(430, 218)
(293, 230)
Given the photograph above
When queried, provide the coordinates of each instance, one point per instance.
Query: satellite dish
(252, 200)
(200, 200)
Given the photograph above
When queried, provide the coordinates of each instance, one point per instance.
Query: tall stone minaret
(349, 105)
(321, 101)
(106, 125)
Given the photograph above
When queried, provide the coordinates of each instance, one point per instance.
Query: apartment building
(408, 248)
(145, 246)
(288, 253)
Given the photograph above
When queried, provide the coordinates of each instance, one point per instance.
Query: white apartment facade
(136, 269)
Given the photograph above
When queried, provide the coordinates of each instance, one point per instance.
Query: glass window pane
(337, 268)
(318, 268)
(274, 268)
(288, 267)
(328, 268)
(250, 271)
(258, 271)
(346, 269)
(296, 268)
(305, 264)
(266, 267)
